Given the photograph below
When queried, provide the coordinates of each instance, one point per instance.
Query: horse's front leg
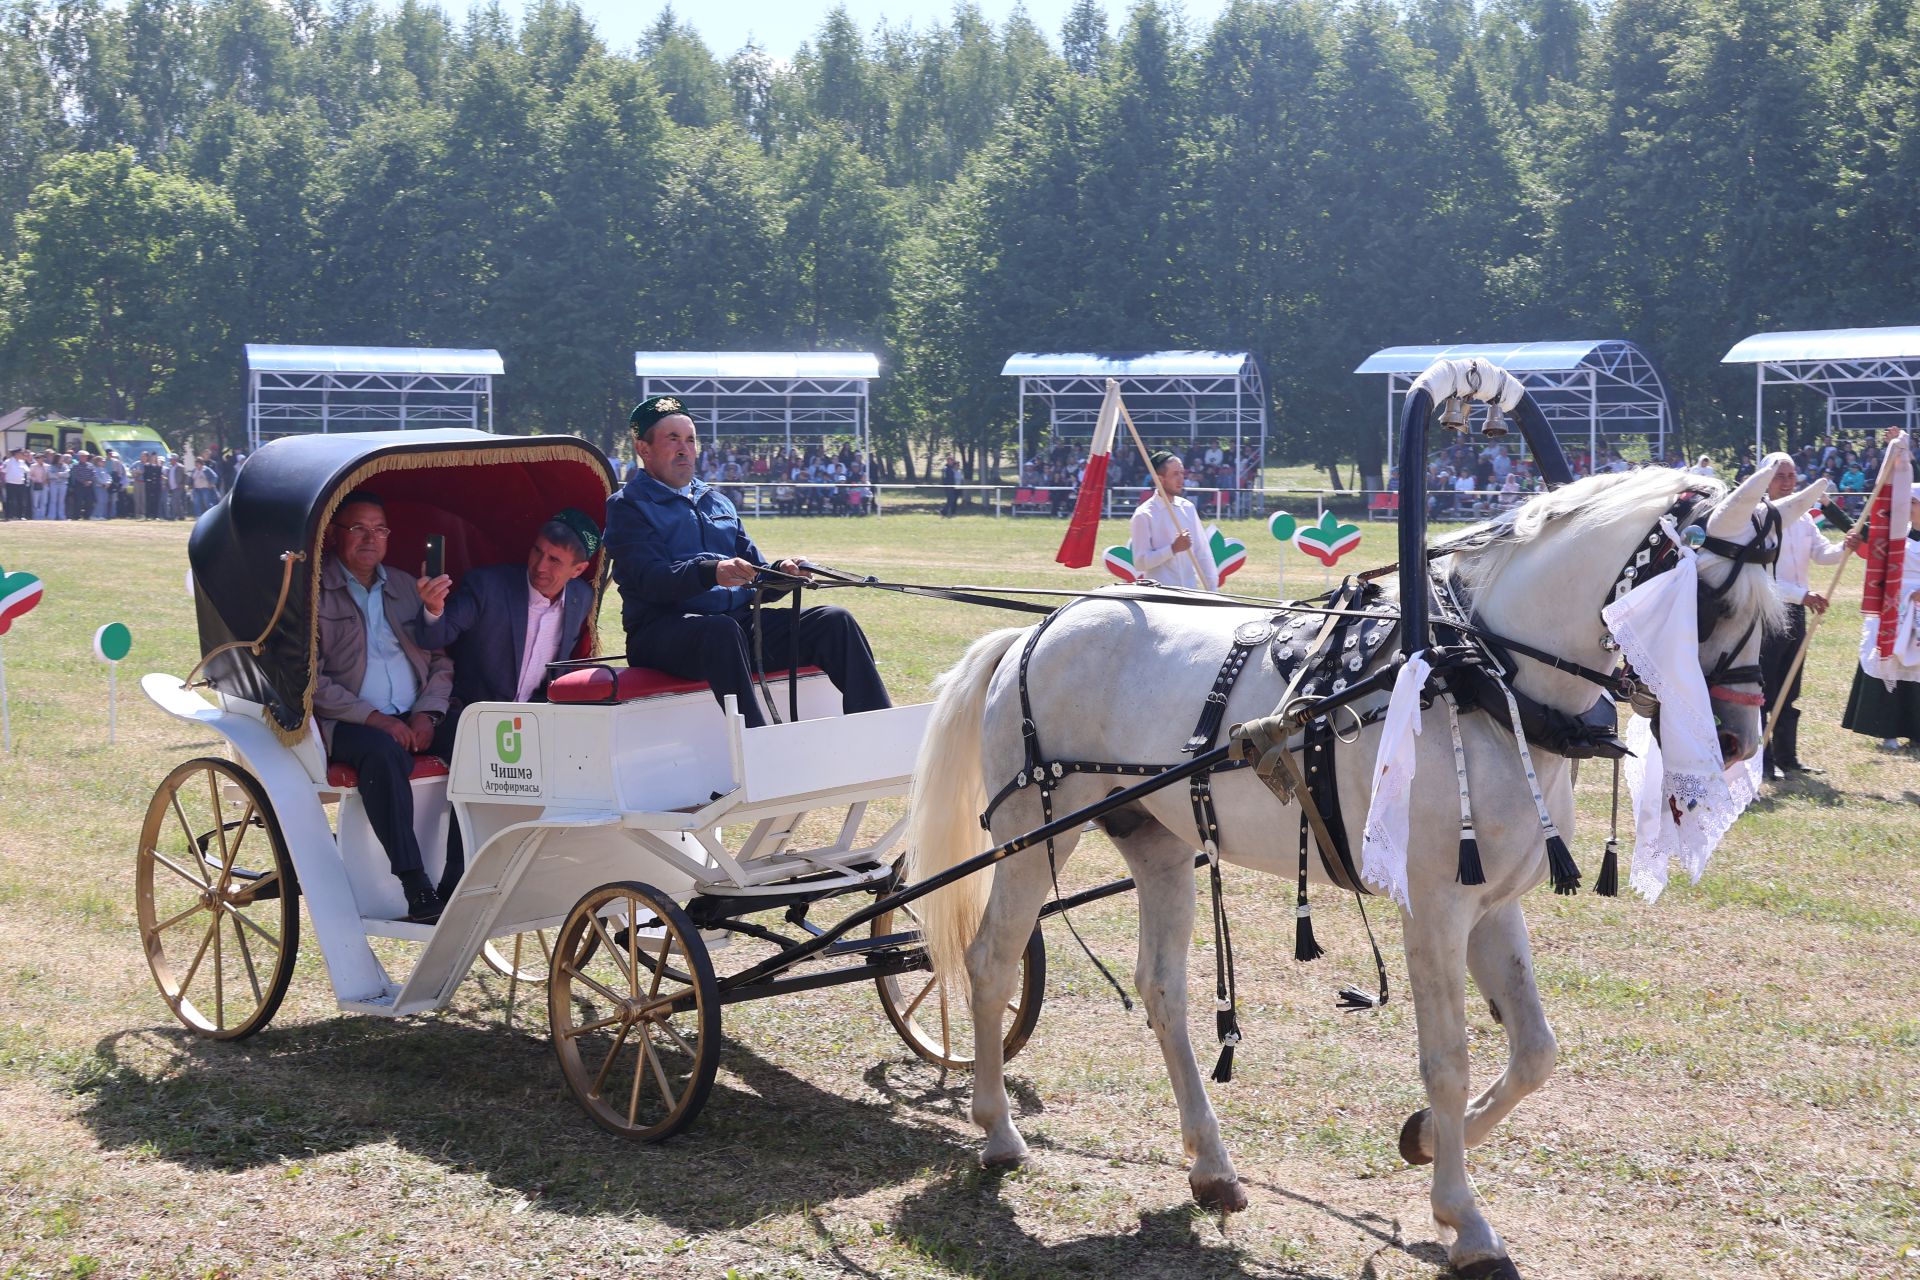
(1162, 867)
(1501, 961)
(1436, 939)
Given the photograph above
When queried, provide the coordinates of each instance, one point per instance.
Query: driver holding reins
(684, 564)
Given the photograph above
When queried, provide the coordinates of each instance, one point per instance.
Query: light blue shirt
(389, 683)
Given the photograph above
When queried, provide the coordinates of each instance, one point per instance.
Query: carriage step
(382, 1003)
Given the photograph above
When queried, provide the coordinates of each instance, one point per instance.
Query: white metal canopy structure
(1171, 395)
(293, 390)
(1868, 377)
(1592, 392)
(765, 395)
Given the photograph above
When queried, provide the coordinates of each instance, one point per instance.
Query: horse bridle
(1658, 553)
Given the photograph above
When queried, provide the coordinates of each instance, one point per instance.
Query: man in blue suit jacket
(684, 562)
(505, 623)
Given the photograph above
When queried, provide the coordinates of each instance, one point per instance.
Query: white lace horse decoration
(1122, 680)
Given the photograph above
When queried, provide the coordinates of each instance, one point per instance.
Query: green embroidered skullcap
(1160, 458)
(651, 410)
(582, 526)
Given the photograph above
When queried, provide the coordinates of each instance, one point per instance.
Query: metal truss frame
(1165, 407)
(286, 402)
(1860, 395)
(1614, 393)
(766, 408)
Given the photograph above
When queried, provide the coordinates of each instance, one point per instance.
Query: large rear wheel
(217, 901)
(634, 1009)
(937, 1025)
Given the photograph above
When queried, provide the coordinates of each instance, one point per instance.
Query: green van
(125, 440)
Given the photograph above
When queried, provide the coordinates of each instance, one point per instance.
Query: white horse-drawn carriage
(641, 824)
(618, 833)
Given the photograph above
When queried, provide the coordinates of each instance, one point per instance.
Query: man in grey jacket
(378, 696)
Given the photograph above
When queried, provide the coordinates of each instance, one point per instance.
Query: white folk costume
(1150, 538)
(1885, 702)
(1801, 547)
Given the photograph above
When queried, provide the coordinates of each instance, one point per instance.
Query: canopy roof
(1596, 388)
(1901, 342)
(486, 494)
(756, 365)
(431, 360)
(1128, 364)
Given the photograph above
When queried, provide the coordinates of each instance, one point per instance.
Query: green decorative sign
(112, 642)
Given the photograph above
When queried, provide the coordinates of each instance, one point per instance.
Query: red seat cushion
(593, 684)
(345, 775)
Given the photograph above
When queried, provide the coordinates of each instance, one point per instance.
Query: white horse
(1123, 681)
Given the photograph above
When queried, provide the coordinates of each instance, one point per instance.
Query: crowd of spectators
(52, 485)
(1209, 463)
(790, 482)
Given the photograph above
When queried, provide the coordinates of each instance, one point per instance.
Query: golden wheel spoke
(194, 968)
(198, 855)
(946, 1037)
(601, 1079)
(265, 937)
(606, 940)
(677, 1039)
(180, 871)
(546, 949)
(220, 829)
(245, 825)
(572, 1033)
(639, 1071)
(572, 972)
(174, 920)
(659, 1072)
(633, 953)
(907, 1013)
(256, 885)
(219, 977)
(660, 965)
(246, 956)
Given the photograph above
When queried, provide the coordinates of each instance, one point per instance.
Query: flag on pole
(1076, 549)
(1886, 545)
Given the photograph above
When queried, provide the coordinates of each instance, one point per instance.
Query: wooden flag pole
(1199, 574)
(1813, 622)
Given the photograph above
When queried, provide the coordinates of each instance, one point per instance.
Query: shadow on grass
(964, 1222)
(478, 1101)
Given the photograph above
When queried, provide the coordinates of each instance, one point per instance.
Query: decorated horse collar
(1658, 552)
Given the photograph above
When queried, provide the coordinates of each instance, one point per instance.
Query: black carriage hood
(487, 495)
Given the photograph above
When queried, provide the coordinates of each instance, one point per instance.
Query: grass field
(1736, 1094)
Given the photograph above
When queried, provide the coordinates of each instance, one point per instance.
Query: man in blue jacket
(683, 563)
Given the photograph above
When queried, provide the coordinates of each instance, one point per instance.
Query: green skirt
(1879, 713)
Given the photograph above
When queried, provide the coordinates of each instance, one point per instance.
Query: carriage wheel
(638, 1046)
(218, 904)
(939, 1028)
(523, 958)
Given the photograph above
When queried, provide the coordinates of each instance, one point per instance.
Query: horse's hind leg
(1162, 867)
(993, 970)
(1501, 961)
(1437, 970)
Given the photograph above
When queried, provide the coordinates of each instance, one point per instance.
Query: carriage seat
(345, 775)
(629, 684)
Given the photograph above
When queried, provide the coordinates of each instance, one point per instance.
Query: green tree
(120, 292)
(839, 240)
(685, 70)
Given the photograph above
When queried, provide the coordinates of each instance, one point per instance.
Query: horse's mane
(1480, 552)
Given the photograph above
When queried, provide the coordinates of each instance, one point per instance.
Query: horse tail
(949, 791)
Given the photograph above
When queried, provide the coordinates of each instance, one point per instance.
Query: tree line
(1307, 179)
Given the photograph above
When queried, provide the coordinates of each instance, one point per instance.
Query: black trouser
(1776, 655)
(717, 648)
(953, 500)
(387, 796)
(18, 504)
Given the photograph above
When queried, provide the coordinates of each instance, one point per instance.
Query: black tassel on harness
(1470, 872)
(1608, 885)
(1305, 946)
(1226, 1025)
(1560, 864)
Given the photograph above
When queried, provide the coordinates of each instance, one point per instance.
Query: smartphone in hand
(436, 555)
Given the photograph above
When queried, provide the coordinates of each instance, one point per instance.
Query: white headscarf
(1684, 796)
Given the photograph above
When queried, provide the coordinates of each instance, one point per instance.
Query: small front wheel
(634, 1009)
(216, 898)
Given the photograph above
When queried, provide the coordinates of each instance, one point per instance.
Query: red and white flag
(1076, 549)
(1886, 548)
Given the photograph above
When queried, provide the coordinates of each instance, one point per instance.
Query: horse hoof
(1489, 1269)
(1222, 1195)
(1410, 1140)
